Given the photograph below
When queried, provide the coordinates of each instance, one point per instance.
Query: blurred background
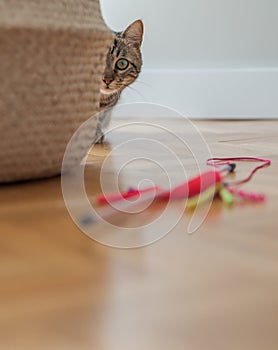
(208, 59)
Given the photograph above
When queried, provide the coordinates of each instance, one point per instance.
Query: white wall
(187, 36)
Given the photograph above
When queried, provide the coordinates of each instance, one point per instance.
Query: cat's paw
(99, 137)
(100, 140)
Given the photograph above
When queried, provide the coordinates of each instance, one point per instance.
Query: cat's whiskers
(133, 89)
(143, 82)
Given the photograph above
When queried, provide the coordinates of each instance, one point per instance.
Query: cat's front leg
(103, 122)
(99, 138)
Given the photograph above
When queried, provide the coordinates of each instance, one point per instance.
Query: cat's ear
(134, 33)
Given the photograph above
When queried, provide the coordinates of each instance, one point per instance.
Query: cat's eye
(122, 64)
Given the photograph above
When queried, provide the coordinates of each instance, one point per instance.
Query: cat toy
(196, 190)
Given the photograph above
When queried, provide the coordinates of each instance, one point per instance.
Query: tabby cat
(123, 65)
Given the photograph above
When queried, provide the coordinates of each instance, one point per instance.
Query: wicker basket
(52, 55)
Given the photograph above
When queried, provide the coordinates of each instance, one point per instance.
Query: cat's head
(124, 60)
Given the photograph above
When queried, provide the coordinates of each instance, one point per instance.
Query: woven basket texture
(52, 56)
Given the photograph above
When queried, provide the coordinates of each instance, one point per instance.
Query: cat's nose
(107, 80)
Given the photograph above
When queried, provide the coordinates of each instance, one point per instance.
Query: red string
(255, 197)
(215, 161)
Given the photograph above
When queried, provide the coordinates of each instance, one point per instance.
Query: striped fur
(123, 65)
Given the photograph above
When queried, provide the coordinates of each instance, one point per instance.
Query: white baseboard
(207, 93)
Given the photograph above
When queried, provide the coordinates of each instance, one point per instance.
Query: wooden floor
(216, 288)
